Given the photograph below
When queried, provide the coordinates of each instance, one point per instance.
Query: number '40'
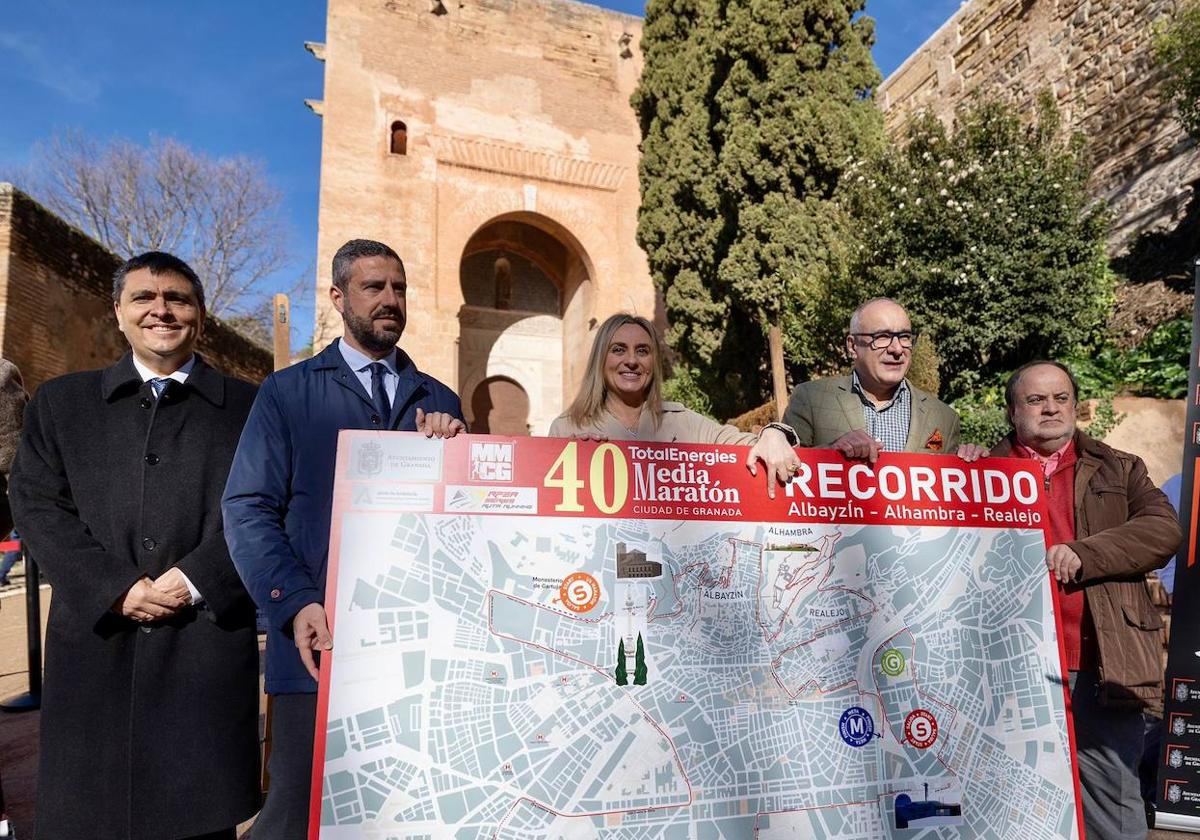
(564, 474)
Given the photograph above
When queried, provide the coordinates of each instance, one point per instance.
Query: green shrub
(988, 235)
(925, 364)
(683, 387)
(981, 414)
(749, 113)
(1158, 367)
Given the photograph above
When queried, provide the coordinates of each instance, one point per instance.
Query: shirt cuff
(197, 598)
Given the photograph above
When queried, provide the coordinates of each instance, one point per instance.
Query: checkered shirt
(888, 423)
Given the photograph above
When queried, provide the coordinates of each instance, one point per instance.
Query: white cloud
(30, 60)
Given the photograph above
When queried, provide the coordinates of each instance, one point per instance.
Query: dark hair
(356, 249)
(159, 262)
(1010, 387)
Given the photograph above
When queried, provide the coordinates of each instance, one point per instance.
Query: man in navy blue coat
(277, 504)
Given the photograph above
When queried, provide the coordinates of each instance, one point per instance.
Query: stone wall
(56, 302)
(1095, 57)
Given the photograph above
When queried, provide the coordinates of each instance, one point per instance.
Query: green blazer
(823, 410)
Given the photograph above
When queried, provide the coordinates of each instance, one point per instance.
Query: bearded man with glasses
(875, 408)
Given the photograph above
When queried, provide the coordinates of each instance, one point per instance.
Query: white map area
(467, 702)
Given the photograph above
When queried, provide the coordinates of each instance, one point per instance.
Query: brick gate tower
(492, 144)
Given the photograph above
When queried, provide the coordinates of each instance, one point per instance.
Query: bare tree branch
(222, 215)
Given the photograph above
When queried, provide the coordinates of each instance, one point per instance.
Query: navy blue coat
(278, 501)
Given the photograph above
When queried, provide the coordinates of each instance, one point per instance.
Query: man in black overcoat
(149, 724)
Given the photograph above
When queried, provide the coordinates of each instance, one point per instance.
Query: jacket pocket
(1143, 619)
(1105, 506)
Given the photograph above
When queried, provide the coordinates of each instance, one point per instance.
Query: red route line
(798, 585)
(883, 714)
(818, 633)
(646, 715)
(675, 590)
(923, 697)
(815, 683)
(822, 557)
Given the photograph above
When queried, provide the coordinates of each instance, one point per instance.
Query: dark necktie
(379, 392)
(158, 385)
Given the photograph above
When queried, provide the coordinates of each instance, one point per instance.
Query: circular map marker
(920, 729)
(579, 592)
(892, 662)
(856, 727)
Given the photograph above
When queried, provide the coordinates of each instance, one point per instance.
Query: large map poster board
(540, 638)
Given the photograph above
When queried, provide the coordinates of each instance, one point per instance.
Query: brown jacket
(1124, 528)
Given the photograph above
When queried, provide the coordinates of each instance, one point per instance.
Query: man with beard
(278, 501)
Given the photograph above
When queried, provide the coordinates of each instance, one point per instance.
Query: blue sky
(229, 77)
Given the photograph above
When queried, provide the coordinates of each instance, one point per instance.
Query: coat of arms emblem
(370, 458)
(1174, 793)
(1175, 758)
(1178, 726)
(1181, 691)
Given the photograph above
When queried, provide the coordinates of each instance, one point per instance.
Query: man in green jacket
(875, 408)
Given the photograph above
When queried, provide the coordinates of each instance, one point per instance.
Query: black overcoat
(148, 731)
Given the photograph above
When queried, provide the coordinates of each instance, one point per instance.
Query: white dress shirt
(179, 376)
(361, 363)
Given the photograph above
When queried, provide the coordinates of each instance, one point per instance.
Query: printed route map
(537, 638)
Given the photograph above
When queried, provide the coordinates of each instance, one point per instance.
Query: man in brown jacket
(1109, 526)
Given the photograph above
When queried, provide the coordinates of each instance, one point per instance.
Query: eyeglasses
(883, 340)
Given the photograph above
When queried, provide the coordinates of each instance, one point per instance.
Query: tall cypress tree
(640, 671)
(749, 111)
(621, 674)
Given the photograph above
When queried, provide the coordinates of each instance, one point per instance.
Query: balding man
(1109, 526)
(875, 408)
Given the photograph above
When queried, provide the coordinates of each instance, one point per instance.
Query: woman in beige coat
(621, 399)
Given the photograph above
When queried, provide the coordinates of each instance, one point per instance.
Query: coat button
(375, 419)
(146, 403)
(152, 459)
(149, 544)
(276, 594)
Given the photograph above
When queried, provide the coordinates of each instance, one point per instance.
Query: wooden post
(283, 331)
(778, 372)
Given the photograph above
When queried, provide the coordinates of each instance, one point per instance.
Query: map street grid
(791, 679)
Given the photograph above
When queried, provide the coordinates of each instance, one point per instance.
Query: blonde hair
(589, 403)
